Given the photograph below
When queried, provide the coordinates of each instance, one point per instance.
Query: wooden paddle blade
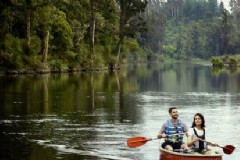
(136, 141)
(228, 149)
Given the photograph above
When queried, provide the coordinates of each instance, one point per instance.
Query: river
(90, 116)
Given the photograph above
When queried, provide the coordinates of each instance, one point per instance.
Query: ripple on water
(63, 149)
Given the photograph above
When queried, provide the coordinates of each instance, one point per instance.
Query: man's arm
(161, 133)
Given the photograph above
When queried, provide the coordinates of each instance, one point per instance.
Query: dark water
(89, 116)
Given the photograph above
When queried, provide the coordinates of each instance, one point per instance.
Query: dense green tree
(152, 39)
(213, 8)
(130, 23)
(235, 4)
(175, 8)
(225, 29)
(26, 9)
(75, 34)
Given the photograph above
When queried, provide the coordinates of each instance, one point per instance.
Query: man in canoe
(173, 130)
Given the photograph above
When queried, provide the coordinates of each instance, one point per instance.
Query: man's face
(174, 114)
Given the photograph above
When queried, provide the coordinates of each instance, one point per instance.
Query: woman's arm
(191, 141)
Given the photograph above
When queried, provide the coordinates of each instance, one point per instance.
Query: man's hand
(163, 135)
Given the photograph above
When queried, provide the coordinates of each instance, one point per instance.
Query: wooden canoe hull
(169, 155)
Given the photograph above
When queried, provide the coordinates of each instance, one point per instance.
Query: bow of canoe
(170, 155)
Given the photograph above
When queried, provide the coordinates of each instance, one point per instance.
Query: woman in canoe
(196, 135)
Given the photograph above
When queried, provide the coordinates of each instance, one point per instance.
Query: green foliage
(72, 59)
(13, 45)
(216, 71)
(61, 32)
(169, 49)
(58, 65)
(11, 55)
(108, 57)
(161, 58)
(98, 61)
(232, 62)
(131, 23)
(43, 20)
(32, 62)
(84, 56)
(217, 62)
(200, 9)
(35, 47)
(131, 45)
(200, 29)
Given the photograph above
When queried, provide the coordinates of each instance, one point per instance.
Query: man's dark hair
(170, 109)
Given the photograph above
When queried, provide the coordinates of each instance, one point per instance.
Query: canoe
(170, 155)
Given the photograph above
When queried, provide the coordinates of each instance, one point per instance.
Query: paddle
(137, 141)
(228, 149)
(140, 140)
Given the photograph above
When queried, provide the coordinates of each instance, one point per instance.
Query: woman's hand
(197, 139)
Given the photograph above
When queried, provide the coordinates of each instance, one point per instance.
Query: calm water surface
(89, 116)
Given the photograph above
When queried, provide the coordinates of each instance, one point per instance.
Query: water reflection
(90, 115)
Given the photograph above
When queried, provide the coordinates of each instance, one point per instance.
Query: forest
(69, 35)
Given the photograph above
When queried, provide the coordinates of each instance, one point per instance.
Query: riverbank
(99, 69)
(66, 70)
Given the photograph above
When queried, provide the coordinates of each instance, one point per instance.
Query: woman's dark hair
(202, 118)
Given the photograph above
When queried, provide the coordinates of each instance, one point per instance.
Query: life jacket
(174, 129)
(201, 143)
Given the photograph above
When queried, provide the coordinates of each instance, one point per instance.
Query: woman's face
(197, 120)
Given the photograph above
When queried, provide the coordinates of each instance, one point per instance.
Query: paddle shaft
(216, 145)
(139, 141)
(211, 143)
(150, 139)
(144, 140)
(175, 134)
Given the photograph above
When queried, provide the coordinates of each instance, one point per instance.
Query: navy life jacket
(201, 143)
(174, 129)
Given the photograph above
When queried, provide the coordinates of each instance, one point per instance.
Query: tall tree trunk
(92, 30)
(45, 48)
(119, 45)
(28, 23)
(225, 32)
(238, 30)
(120, 34)
(28, 28)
